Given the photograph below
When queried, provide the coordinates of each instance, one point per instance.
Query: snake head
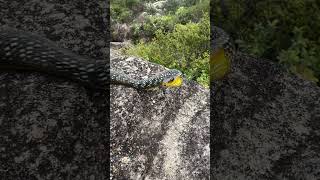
(222, 52)
(172, 78)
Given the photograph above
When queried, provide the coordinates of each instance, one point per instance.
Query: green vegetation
(185, 48)
(122, 11)
(177, 37)
(283, 31)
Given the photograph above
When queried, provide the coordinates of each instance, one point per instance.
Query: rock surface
(265, 124)
(157, 6)
(51, 128)
(264, 121)
(156, 134)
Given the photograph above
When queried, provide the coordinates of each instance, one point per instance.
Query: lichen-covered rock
(157, 6)
(158, 134)
(265, 124)
(264, 121)
(120, 32)
(51, 128)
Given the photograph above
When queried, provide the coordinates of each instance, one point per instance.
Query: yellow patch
(219, 65)
(176, 82)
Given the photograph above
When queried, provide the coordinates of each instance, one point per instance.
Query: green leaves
(302, 56)
(283, 31)
(304, 72)
(185, 48)
(179, 38)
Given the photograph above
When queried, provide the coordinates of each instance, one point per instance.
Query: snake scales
(222, 54)
(27, 51)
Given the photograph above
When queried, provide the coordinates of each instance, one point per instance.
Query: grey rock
(264, 121)
(118, 45)
(156, 134)
(142, 18)
(51, 128)
(157, 6)
(265, 124)
(120, 32)
(55, 129)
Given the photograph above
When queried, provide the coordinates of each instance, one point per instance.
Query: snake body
(220, 39)
(27, 51)
(222, 54)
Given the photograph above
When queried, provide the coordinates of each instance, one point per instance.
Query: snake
(222, 54)
(23, 50)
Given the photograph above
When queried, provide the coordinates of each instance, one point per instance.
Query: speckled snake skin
(220, 39)
(28, 51)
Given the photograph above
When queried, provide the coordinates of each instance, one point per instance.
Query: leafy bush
(154, 23)
(124, 11)
(147, 30)
(282, 31)
(120, 14)
(302, 56)
(173, 5)
(178, 39)
(192, 13)
(167, 22)
(185, 48)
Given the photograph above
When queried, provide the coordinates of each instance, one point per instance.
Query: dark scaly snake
(27, 51)
(222, 54)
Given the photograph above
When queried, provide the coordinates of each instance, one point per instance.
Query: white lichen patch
(171, 144)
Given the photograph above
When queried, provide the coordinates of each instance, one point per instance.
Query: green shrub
(164, 23)
(122, 11)
(185, 48)
(120, 14)
(302, 56)
(178, 39)
(282, 31)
